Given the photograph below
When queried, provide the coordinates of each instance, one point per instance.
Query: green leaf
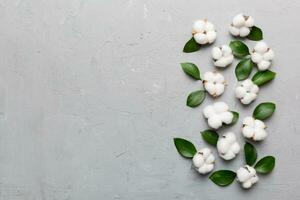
(255, 34)
(265, 165)
(250, 154)
(239, 49)
(185, 148)
(243, 69)
(264, 110)
(191, 46)
(210, 136)
(235, 117)
(223, 177)
(263, 77)
(191, 69)
(195, 98)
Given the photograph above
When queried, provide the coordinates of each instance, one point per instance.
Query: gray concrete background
(91, 95)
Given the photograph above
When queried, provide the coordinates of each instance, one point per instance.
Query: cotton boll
(227, 146)
(247, 176)
(214, 83)
(246, 91)
(203, 161)
(204, 32)
(254, 129)
(241, 25)
(262, 55)
(217, 114)
(222, 56)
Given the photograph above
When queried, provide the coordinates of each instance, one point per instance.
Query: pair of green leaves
(195, 98)
(264, 165)
(264, 110)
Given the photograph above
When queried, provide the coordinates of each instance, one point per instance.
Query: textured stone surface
(91, 95)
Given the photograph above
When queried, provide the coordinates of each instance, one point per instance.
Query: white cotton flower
(262, 55)
(247, 91)
(203, 161)
(217, 114)
(254, 129)
(241, 25)
(227, 146)
(247, 176)
(222, 56)
(204, 32)
(214, 83)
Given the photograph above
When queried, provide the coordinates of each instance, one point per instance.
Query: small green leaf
(223, 177)
(255, 34)
(265, 165)
(250, 153)
(191, 69)
(239, 49)
(191, 46)
(235, 117)
(185, 148)
(195, 98)
(243, 69)
(264, 110)
(210, 136)
(263, 77)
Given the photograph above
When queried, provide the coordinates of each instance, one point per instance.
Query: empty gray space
(92, 94)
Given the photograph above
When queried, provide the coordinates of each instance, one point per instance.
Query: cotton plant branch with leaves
(219, 114)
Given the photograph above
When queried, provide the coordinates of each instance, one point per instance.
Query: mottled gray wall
(91, 95)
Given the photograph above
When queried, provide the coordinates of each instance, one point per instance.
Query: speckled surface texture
(91, 95)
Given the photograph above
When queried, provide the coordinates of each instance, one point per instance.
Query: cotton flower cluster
(241, 25)
(262, 55)
(247, 176)
(217, 114)
(214, 83)
(204, 32)
(254, 129)
(203, 161)
(227, 146)
(247, 91)
(222, 56)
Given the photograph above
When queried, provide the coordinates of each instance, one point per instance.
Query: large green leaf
(255, 34)
(239, 49)
(223, 177)
(243, 69)
(185, 148)
(263, 77)
(191, 69)
(250, 154)
(265, 165)
(195, 98)
(264, 110)
(210, 136)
